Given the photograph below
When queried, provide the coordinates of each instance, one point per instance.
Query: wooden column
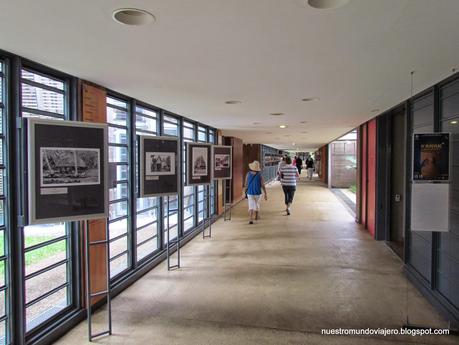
(94, 109)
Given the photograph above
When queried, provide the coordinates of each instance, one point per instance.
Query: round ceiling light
(276, 114)
(133, 16)
(233, 102)
(303, 122)
(327, 4)
(454, 122)
(282, 126)
(310, 99)
(256, 123)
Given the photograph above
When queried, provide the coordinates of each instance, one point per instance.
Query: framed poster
(159, 165)
(68, 171)
(198, 163)
(431, 157)
(222, 162)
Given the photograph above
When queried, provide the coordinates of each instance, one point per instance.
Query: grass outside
(39, 254)
(353, 188)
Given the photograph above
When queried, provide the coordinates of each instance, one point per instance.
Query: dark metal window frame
(70, 315)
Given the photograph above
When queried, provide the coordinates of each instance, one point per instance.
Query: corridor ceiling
(269, 54)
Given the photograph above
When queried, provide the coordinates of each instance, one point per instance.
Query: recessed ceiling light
(303, 122)
(454, 122)
(310, 99)
(256, 123)
(287, 135)
(233, 102)
(303, 132)
(283, 126)
(276, 114)
(327, 4)
(374, 110)
(133, 16)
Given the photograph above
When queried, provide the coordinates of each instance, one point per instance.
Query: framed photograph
(198, 168)
(431, 157)
(67, 165)
(159, 163)
(159, 159)
(222, 157)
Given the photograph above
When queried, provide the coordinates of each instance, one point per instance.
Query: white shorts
(254, 202)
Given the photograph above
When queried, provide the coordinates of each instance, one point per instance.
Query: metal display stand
(173, 242)
(227, 205)
(89, 295)
(208, 219)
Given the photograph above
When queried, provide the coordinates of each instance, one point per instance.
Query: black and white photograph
(159, 163)
(221, 161)
(66, 166)
(200, 160)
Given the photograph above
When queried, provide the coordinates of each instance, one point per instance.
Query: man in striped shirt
(288, 175)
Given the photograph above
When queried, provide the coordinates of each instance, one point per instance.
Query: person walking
(299, 164)
(254, 185)
(281, 163)
(310, 167)
(289, 175)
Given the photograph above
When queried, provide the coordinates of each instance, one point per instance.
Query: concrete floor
(276, 282)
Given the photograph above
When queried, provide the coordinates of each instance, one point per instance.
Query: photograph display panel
(67, 164)
(198, 163)
(158, 166)
(222, 162)
(431, 157)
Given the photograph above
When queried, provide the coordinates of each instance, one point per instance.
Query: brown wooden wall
(94, 109)
(238, 171)
(252, 152)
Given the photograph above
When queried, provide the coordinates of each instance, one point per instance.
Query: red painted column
(363, 182)
(371, 187)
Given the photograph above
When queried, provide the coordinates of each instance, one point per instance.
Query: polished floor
(280, 281)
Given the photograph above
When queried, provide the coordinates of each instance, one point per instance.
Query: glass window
(42, 95)
(47, 247)
(202, 134)
(118, 152)
(146, 208)
(4, 291)
(189, 192)
(170, 126)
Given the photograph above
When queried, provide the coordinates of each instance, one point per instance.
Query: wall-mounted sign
(159, 165)
(431, 156)
(68, 171)
(222, 162)
(198, 169)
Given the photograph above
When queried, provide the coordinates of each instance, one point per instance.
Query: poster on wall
(68, 171)
(198, 170)
(222, 162)
(158, 165)
(431, 157)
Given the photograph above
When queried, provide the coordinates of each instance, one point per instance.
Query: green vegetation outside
(39, 254)
(353, 188)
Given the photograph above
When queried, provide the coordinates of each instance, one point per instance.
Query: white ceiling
(267, 53)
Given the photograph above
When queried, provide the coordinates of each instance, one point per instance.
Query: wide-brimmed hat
(254, 166)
